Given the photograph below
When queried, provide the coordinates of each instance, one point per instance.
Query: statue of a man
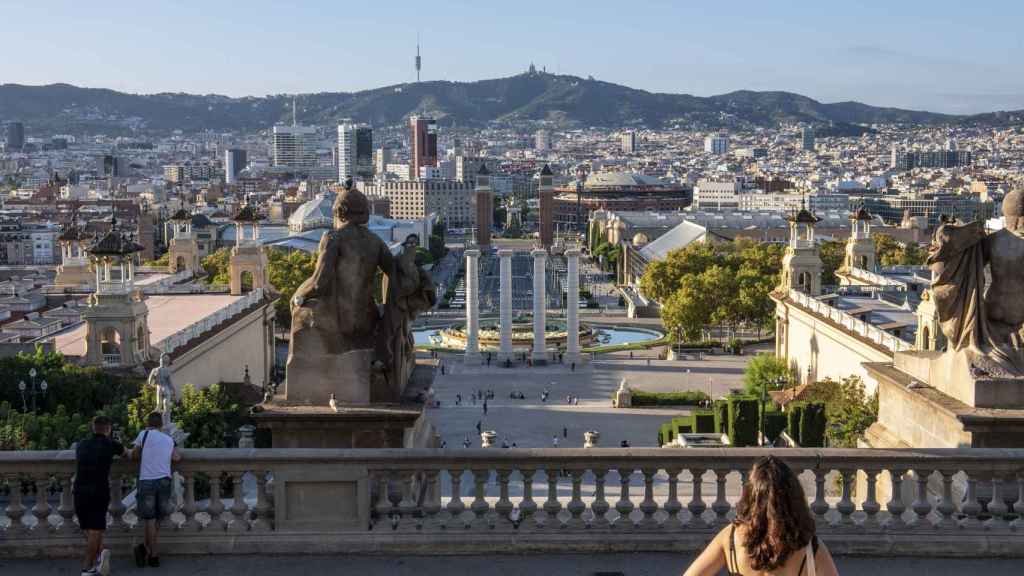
(983, 323)
(160, 378)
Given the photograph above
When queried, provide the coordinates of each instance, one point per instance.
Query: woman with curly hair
(773, 532)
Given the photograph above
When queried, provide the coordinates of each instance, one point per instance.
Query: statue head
(165, 360)
(351, 206)
(1013, 210)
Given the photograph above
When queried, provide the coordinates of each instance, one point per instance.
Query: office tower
(424, 144)
(628, 140)
(355, 152)
(716, 143)
(484, 207)
(381, 159)
(294, 146)
(453, 202)
(110, 166)
(15, 136)
(542, 141)
(235, 160)
(807, 139)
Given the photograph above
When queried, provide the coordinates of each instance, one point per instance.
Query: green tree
(206, 415)
(849, 411)
(893, 253)
(436, 241)
(164, 260)
(287, 270)
(766, 370)
(217, 267)
(832, 253)
(687, 310)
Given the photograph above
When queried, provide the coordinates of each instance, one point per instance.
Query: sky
(938, 55)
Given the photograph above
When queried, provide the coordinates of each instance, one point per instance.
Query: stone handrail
(875, 278)
(502, 500)
(185, 335)
(849, 322)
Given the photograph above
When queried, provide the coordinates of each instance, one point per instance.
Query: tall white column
(539, 306)
(572, 305)
(472, 356)
(505, 305)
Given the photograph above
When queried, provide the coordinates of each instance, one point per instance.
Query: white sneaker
(103, 563)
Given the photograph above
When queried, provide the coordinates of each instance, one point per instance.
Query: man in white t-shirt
(155, 451)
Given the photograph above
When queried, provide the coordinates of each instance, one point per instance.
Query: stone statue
(160, 378)
(338, 331)
(983, 324)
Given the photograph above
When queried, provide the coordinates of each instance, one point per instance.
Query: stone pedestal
(572, 305)
(472, 355)
(505, 305)
(540, 354)
(313, 377)
(623, 396)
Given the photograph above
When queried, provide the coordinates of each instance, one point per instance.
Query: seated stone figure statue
(983, 323)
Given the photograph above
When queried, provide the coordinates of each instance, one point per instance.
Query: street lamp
(35, 391)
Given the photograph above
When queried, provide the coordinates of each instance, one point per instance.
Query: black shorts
(91, 509)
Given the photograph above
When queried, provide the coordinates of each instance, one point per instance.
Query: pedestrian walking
(93, 458)
(565, 432)
(155, 451)
(466, 443)
(554, 441)
(485, 407)
(479, 426)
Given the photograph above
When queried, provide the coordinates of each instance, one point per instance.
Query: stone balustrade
(849, 322)
(513, 500)
(195, 330)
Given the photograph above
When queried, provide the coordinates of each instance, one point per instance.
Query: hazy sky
(935, 54)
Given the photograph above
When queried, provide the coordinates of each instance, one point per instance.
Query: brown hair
(155, 420)
(773, 509)
(101, 423)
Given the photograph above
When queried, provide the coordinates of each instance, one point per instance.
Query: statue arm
(315, 285)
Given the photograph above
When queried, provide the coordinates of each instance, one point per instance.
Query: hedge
(682, 425)
(721, 416)
(774, 424)
(704, 422)
(793, 412)
(812, 425)
(685, 398)
(743, 421)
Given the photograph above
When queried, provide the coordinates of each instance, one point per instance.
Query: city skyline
(901, 56)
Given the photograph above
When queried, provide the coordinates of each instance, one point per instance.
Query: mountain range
(539, 98)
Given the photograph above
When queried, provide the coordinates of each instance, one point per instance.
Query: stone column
(505, 305)
(572, 305)
(472, 356)
(539, 306)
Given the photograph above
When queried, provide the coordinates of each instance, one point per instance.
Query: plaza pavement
(637, 564)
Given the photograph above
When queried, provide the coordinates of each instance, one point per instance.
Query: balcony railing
(948, 502)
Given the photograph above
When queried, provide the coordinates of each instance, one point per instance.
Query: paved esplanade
(572, 306)
(472, 308)
(539, 305)
(636, 564)
(505, 305)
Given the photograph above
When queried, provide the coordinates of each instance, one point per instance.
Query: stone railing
(906, 502)
(851, 323)
(876, 279)
(197, 329)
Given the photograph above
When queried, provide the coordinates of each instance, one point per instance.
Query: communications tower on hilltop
(418, 60)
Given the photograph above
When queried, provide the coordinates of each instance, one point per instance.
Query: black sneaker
(154, 561)
(140, 555)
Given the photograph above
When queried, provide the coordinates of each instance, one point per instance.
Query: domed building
(317, 213)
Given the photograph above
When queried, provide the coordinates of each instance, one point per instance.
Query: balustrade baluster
(503, 507)
(921, 505)
(971, 507)
(624, 506)
(648, 506)
(1018, 506)
(997, 506)
(721, 505)
(41, 509)
(845, 505)
(696, 505)
(407, 506)
(480, 506)
(189, 508)
(263, 515)
(239, 509)
(432, 500)
(527, 507)
(455, 506)
(946, 506)
(216, 507)
(15, 509)
(673, 506)
(871, 505)
(383, 506)
(66, 510)
(819, 507)
(116, 506)
(895, 506)
(600, 505)
(552, 506)
(576, 507)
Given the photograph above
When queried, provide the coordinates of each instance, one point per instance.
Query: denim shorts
(154, 499)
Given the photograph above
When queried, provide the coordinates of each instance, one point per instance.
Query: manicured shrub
(794, 410)
(812, 425)
(721, 416)
(704, 422)
(742, 421)
(684, 398)
(774, 424)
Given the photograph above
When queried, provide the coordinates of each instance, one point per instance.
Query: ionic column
(472, 356)
(539, 306)
(572, 305)
(505, 305)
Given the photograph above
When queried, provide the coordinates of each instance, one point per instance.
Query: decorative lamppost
(35, 391)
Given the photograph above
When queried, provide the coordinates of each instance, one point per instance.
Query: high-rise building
(235, 160)
(900, 160)
(542, 141)
(424, 143)
(716, 143)
(294, 146)
(110, 166)
(453, 202)
(628, 141)
(807, 139)
(15, 136)
(381, 159)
